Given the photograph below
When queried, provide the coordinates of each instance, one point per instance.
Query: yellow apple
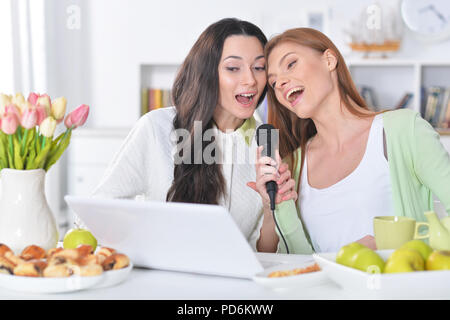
(439, 260)
(404, 260)
(424, 249)
(76, 237)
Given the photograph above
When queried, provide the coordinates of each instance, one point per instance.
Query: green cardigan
(419, 167)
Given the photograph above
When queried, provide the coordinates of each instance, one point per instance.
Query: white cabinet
(91, 151)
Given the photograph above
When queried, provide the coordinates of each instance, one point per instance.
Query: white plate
(47, 285)
(66, 284)
(113, 277)
(304, 280)
(418, 284)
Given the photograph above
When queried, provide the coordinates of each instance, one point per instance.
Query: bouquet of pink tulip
(27, 130)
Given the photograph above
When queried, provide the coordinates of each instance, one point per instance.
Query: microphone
(267, 136)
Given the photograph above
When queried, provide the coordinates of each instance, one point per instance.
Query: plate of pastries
(36, 270)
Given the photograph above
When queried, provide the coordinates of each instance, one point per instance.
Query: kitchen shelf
(391, 79)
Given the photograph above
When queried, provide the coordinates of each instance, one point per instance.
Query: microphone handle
(272, 188)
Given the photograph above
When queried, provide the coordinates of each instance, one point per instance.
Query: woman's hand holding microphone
(267, 170)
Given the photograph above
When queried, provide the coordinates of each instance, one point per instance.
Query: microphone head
(262, 131)
(267, 136)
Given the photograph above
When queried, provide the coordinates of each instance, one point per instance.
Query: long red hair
(295, 132)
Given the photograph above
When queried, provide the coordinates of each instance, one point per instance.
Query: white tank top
(344, 212)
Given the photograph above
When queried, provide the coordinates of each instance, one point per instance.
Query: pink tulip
(9, 124)
(44, 100)
(12, 108)
(29, 118)
(33, 97)
(77, 117)
(41, 114)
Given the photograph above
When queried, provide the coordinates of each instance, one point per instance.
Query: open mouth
(294, 94)
(245, 98)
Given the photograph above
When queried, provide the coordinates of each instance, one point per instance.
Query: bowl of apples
(414, 270)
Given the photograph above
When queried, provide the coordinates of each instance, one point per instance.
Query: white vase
(25, 217)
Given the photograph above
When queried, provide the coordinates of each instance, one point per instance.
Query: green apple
(345, 254)
(404, 260)
(424, 249)
(76, 237)
(367, 260)
(439, 260)
(358, 256)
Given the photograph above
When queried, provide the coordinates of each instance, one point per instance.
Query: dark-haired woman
(202, 150)
(350, 163)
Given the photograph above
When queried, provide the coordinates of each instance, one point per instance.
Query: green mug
(391, 232)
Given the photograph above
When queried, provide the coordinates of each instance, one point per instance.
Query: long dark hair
(195, 94)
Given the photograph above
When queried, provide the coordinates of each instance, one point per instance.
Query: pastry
(57, 271)
(34, 261)
(115, 261)
(3, 249)
(72, 254)
(33, 252)
(85, 249)
(31, 268)
(89, 259)
(104, 252)
(6, 266)
(60, 260)
(52, 251)
(88, 270)
(13, 258)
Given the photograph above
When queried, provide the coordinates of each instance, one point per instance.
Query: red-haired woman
(350, 164)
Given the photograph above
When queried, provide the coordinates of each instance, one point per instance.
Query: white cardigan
(143, 169)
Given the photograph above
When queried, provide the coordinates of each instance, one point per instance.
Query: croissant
(52, 251)
(13, 258)
(34, 261)
(71, 254)
(57, 271)
(88, 270)
(104, 252)
(115, 261)
(85, 249)
(33, 252)
(31, 268)
(6, 266)
(3, 249)
(90, 259)
(68, 269)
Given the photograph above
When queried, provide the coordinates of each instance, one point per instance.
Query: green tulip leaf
(18, 161)
(30, 159)
(59, 150)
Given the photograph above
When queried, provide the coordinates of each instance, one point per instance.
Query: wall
(99, 63)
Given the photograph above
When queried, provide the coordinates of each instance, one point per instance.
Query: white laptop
(184, 237)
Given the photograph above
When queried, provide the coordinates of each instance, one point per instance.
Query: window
(6, 54)
(22, 36)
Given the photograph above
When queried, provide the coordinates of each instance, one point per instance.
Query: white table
(167, 285)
